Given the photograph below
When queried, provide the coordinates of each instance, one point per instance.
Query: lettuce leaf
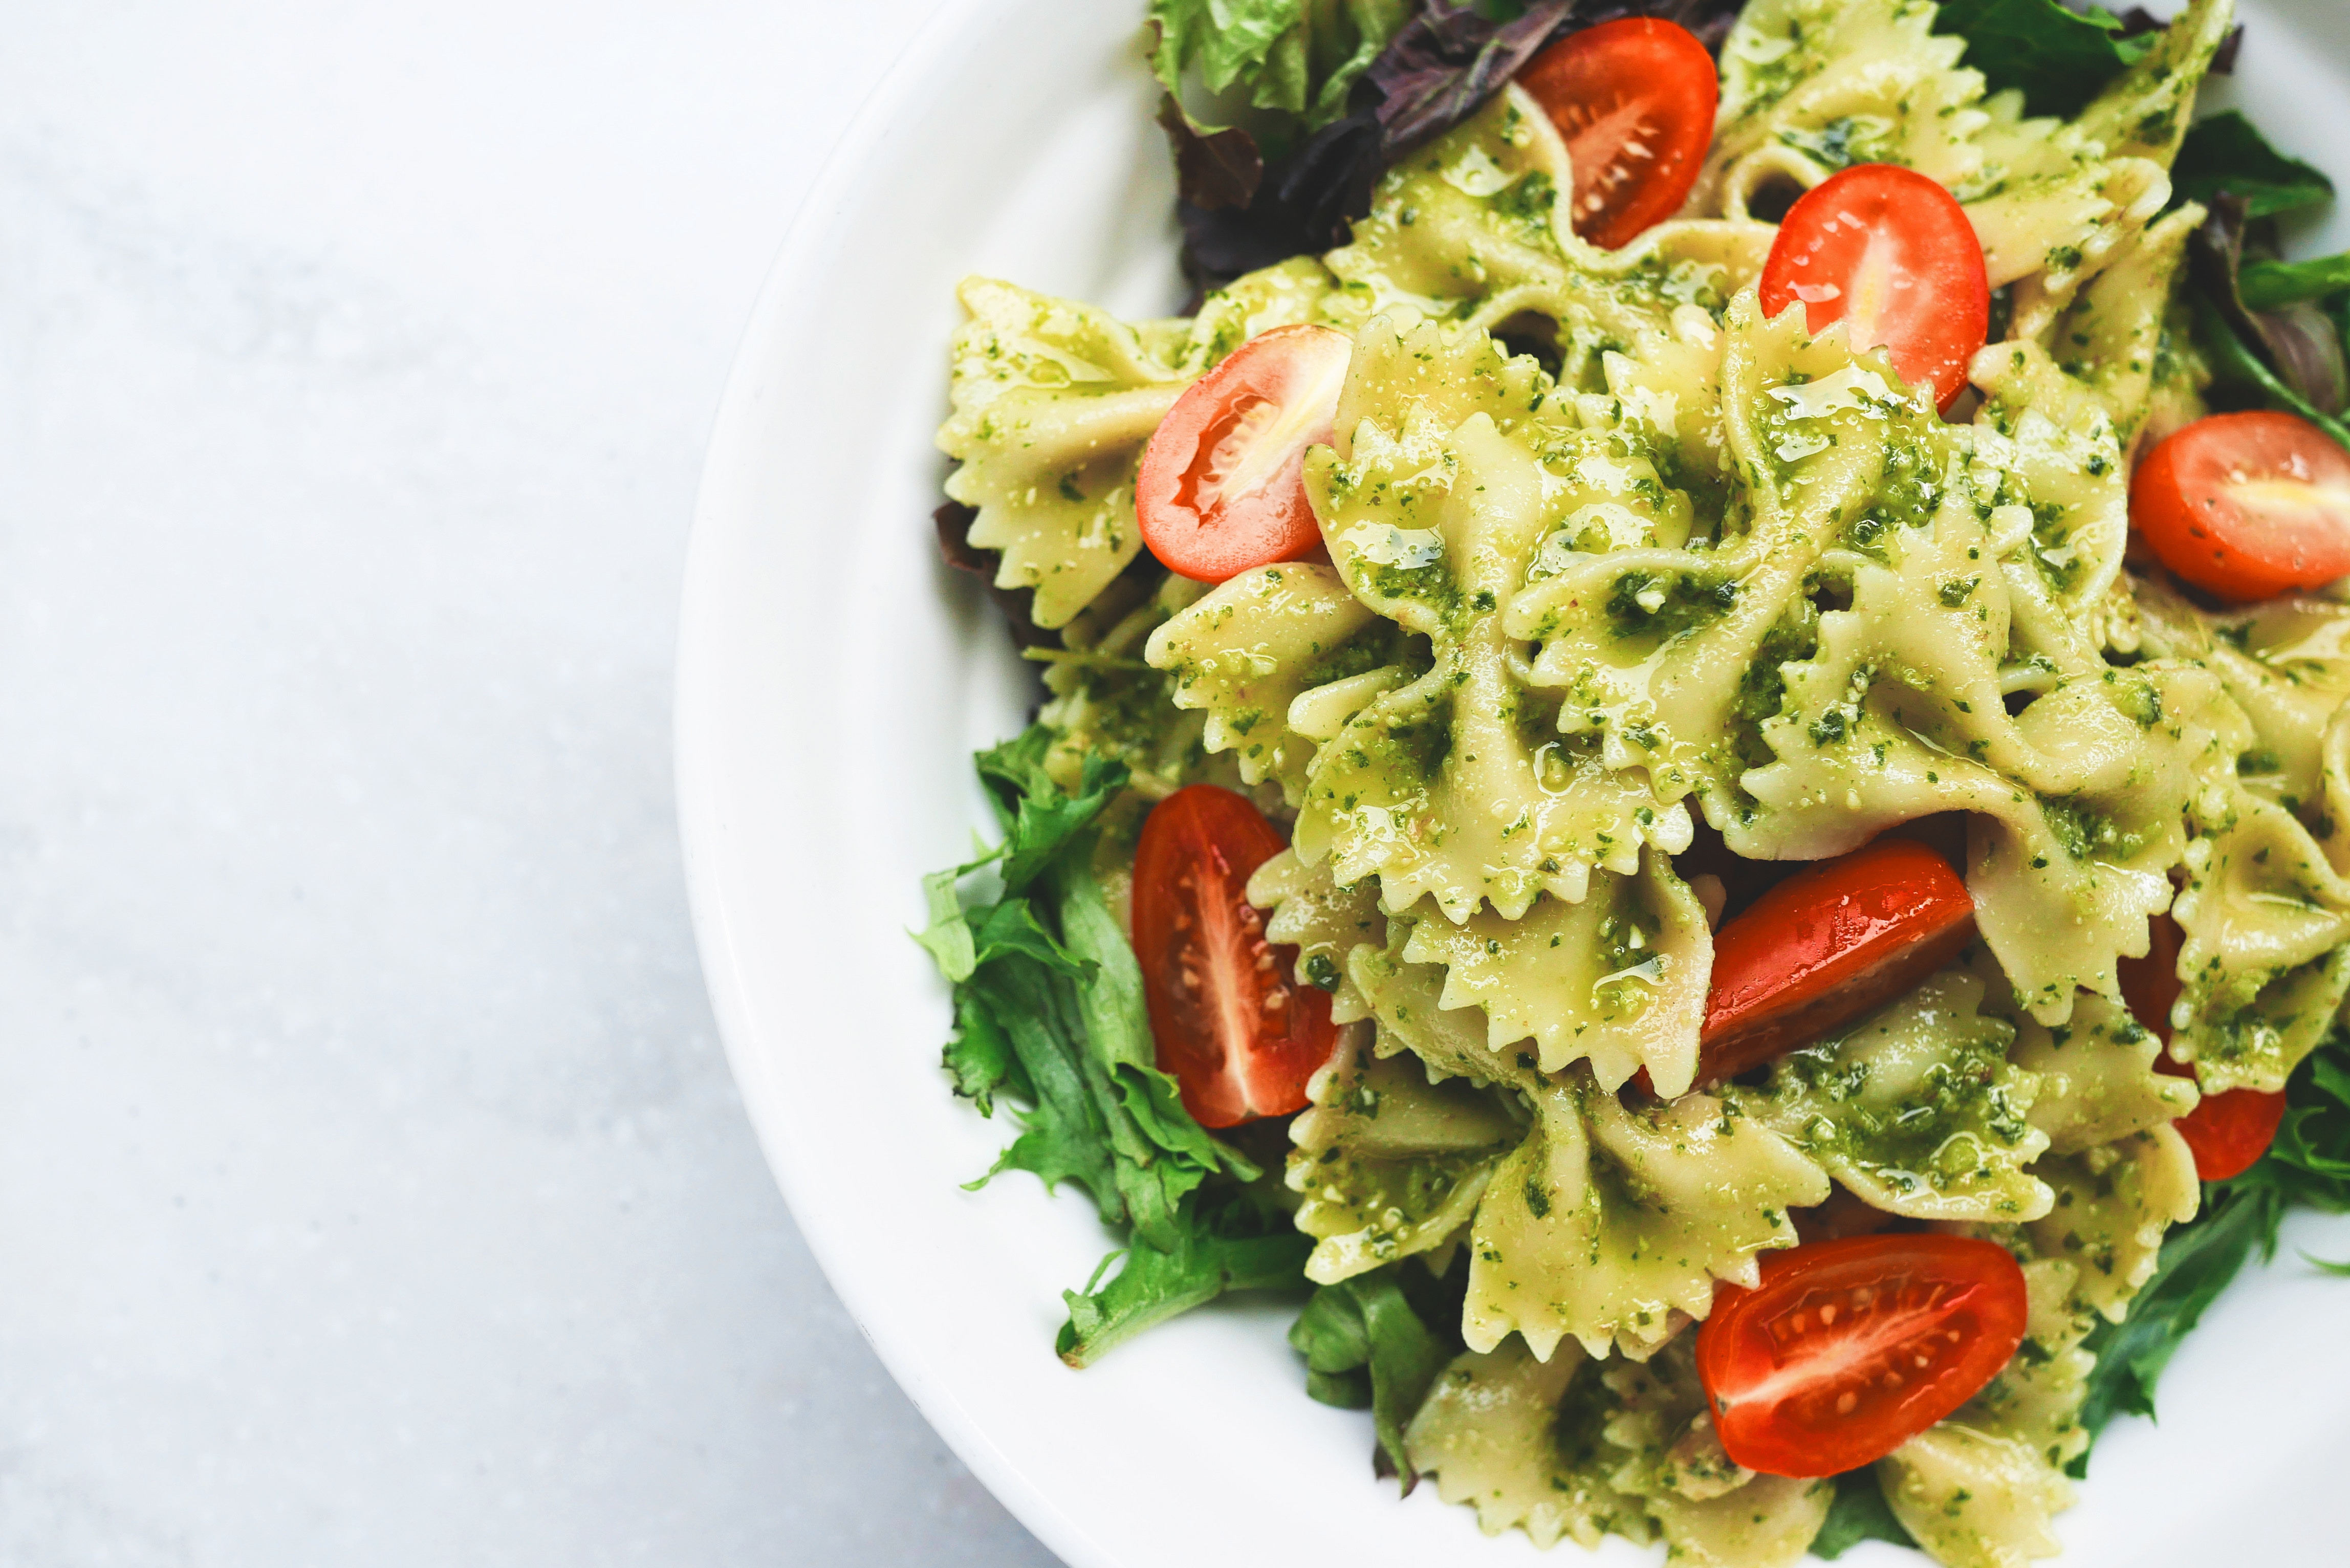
(2225, 152)
(2273, 284)
(1049, 1011)
(2061, 58)
(1367, 1347)
(1295, 62)
(1858, 1513)
(1223, 1239)
(2292, 358)
(2237, 368)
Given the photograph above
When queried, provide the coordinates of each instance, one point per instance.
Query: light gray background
(372, 1189)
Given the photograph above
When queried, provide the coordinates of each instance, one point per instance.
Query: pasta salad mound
(1694, 771)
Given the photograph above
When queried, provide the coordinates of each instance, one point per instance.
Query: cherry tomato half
(2246, 505)
(1892, 255)
(1634, 100)
(2229, 1132)
(1238, 1033)
(1835, 940)
(1849, 1349)
(1222, 487)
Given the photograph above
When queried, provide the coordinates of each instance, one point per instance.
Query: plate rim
(694, 711)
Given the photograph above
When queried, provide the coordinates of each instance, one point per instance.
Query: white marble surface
(371, 1187)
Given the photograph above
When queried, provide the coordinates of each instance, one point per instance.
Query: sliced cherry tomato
(1222, 487)
(1830, 943)
(1849, 1349)
(1890, 253)
(2246, 505)
(2229, 1132)
(1634, 100)
(1238, 1032)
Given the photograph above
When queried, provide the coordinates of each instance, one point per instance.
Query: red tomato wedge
(1634, 100)
(2227, 1133)
(1891, 254)
(2246, 505)
(1238, 1033)
(1222, 487)
(1849, 1349)
(1830, 943)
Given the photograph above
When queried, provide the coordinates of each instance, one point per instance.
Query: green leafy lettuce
(2225, 152)
(1858, 1513)
(1049, 1014)
(1298, 60)
(1225, 1239)
(2273, 284)
(1367, 1346)
(2059, 57)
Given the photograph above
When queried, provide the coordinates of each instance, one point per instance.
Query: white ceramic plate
(833, 679)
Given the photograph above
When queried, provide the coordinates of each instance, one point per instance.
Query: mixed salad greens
(1283, 118)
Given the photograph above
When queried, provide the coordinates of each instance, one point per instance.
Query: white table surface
(372, 1189)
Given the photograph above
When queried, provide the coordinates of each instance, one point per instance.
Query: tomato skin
(1635, 100)
(2226, 1132)
(2246, 505)
(1838, 939)
(1892, 254)
(1815, 1372)
(1239, 1035)
(2229, 1132)
(1222, 487)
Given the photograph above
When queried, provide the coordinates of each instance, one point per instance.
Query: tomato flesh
(1891, 254)
(1634, 100)
(1835, 940)
(2229, 1132)
(1239, 1035)
(1847, 1349)
(1223, 486)
(2246, 505)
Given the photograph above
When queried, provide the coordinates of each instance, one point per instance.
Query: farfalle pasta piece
(2113, 1204)
(2114, 338)
(1660, 649)
(2144, 112)
(1976, 1498)
(1052, 404)
(1711, 1510)
(1611, 1226)
(2076, 802)
(1247, 650)
(1917, 1108)
(1405, 1002)
(1459, 787)
(1324, 921)
(1523, 1442)
(1813, 87)
(2098, 1081)
(2266, 904)
(1473, 229)
(1618, 980)
(1387, 1164)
